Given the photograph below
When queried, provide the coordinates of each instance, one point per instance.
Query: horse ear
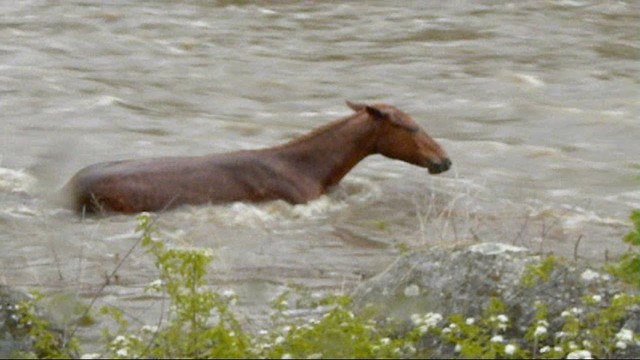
(355, 106)
(376, 113)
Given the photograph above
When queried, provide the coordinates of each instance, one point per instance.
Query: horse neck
(327, 154)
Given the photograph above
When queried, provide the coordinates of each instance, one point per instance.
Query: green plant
(591, 330)
(628, 267)
(199, 323)
(45, 341)
(538, 272)
(338, 334)
(482, 338)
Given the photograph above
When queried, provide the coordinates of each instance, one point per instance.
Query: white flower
(576, 311)
(565, 313)
(544, 349)
(228, 293)
(596, 298)
(208, 252)
(122, 352)
(540, 330)
(458, 348)
(286, 356)
(416, 319)
(509, 349)
(497, 339)
(423, 329)
(279, 340)
(470, 321)
(589, 275)
(149, 328)
(385, 341)
(120, 340)
(432, 319)
(90, 356)
(543, 323)
(621, 345)
(409, 349)
(446, 330)
(586, 343)
(580, 354)
(625, 335)
(156, 284)
(502, 318)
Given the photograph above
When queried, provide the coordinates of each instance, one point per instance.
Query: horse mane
(317, 131)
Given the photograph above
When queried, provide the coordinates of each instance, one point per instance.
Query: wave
(16, 181)
(351, 191)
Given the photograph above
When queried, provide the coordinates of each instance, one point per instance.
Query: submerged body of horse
(297, 172)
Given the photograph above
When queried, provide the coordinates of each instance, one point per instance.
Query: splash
(351, 191)
(16, 181)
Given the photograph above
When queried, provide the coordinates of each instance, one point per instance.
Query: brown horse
(297, 172)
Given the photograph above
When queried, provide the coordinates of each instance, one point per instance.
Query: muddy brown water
(537, 103)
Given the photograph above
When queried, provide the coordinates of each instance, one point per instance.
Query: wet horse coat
(297, 172)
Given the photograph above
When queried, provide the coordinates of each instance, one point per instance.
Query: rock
(14, 335)
(11, 338)
(463, 279)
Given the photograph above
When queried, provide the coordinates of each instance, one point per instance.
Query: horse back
(163, 183)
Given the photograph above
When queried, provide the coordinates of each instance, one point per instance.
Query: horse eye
(412, 128)
(407, 125)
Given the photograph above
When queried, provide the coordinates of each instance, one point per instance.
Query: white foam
(575, 221)
(350, 191)
(267, 11)
(107, 100)
(495, 248)
(201, 24)
(528, 80)
(563, 193)
(16, 181)
(629, 198)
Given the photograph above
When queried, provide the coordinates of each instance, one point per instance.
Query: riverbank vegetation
(199, 322)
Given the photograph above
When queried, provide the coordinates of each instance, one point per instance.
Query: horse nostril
(439, 167)
(446, 164)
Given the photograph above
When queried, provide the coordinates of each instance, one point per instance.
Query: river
(536, 102)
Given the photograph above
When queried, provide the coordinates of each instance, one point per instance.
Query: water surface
(537, 103)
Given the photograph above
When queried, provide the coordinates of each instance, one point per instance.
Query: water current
(536, 102)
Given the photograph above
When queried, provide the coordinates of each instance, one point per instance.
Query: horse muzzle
(439, 167)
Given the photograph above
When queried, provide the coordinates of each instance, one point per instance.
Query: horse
(297, 171)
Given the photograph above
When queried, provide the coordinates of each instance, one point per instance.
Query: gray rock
(14, 335)
(463, 279)
(11, 335)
